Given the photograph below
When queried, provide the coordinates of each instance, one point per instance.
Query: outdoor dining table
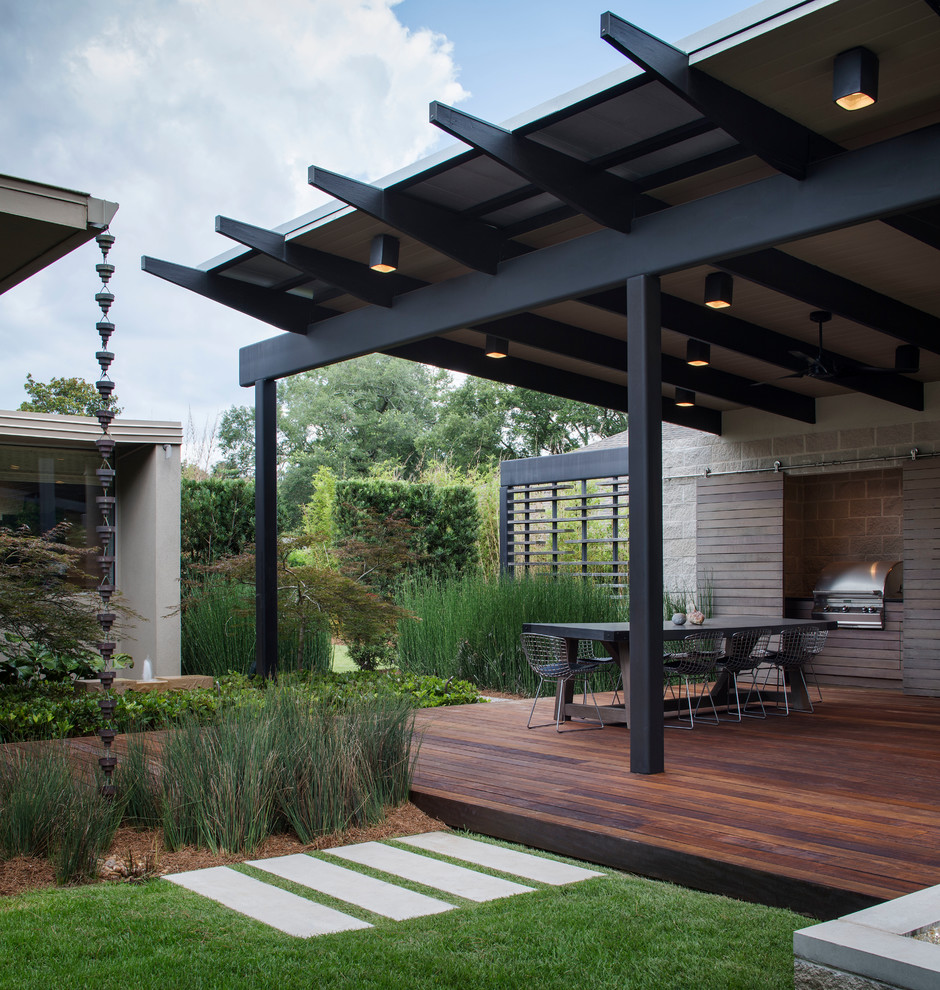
(615, 637)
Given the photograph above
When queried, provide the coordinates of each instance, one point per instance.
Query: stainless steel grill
(854, 592)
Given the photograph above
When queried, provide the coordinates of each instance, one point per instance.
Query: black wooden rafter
(781, 142)
(350, 276)
(751, 340)
(822, 289)
(471, 360)
(469, 242)
(600, 196)
(555, 337)
(279, 309)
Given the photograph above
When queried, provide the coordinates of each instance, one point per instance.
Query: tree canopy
(63, 396)
(374, 410)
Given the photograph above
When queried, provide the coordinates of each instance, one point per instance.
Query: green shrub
(217, 518)
(445, 518)
(470, 627)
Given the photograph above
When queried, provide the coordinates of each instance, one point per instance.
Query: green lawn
(616, 931)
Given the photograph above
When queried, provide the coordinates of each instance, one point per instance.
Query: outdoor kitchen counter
(615, 637)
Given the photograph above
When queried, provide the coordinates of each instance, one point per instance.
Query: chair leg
(737, 699)
(810, 665)
(593, 698)
(711, 719)
(747, 701)
(671, 688)
(529, 725)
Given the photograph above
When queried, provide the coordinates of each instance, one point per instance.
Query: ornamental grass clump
(292, 764)
(47, 809)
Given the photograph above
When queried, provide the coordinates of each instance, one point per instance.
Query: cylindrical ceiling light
(685, 397)
(855, 78)
(384, 254)
(496, 347)
(698, 353)
(718, 290)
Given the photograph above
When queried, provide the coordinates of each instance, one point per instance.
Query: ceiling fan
(823, 367)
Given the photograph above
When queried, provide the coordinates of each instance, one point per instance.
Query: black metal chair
(797, 648)
(548, 657)
(686, 662)
(586, 654)
(744, 653)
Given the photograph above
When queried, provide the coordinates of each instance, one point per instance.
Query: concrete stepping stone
(496, 858)
(379, 896)
(266, 903)
(430, 872)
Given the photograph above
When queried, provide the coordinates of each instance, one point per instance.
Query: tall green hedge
(445, 517)
(217, 519)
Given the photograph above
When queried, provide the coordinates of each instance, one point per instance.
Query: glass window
(41, 487)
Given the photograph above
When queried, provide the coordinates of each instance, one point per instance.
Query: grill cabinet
(853, 593)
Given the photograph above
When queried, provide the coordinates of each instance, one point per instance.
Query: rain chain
(107, 504)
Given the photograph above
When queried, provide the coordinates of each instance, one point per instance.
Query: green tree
(236, 439)
(63, 396)
(351, 415)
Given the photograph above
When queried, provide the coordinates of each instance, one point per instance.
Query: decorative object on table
(696, 617)
(678, 618)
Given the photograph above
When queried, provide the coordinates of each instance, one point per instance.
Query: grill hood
(882, 578)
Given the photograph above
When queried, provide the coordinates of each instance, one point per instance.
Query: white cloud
(179, 110)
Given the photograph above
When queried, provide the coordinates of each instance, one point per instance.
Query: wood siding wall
(740, 542)
(921, 645)
(858, 657)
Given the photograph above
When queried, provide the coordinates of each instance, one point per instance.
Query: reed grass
(218, 633)
(291, 764)
(47, 810)
(469, 628)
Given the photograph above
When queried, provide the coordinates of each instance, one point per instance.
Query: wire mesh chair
(586, 653)
(548, 657)
(797, 648)
(686, 662)
(809, 666)
(744, 653)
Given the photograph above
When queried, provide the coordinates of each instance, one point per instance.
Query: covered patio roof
(734, 159)
(604, 212)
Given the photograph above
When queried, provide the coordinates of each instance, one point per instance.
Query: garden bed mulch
(138, 854)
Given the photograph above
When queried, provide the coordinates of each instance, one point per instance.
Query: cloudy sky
(183, 109)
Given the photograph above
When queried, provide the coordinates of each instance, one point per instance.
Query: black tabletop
(619, 632)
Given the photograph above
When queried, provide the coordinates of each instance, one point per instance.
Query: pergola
(583, 235)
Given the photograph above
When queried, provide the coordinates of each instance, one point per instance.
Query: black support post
(644, 388)
(266, 527)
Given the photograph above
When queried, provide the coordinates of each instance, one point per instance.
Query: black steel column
(644, 407)
(266, 527)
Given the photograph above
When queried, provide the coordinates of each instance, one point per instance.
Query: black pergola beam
(781, 142)
(266, 528)
(879, 180)
(754, 341)
(556, 337)
(468, 360)
(601, 197)
(469, 242)
(350, 276)
(923, 225)
(824, 290)
(286, 312)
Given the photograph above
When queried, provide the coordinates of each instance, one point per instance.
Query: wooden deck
(824, 813)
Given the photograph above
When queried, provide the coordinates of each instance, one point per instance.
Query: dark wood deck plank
(837, 807)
